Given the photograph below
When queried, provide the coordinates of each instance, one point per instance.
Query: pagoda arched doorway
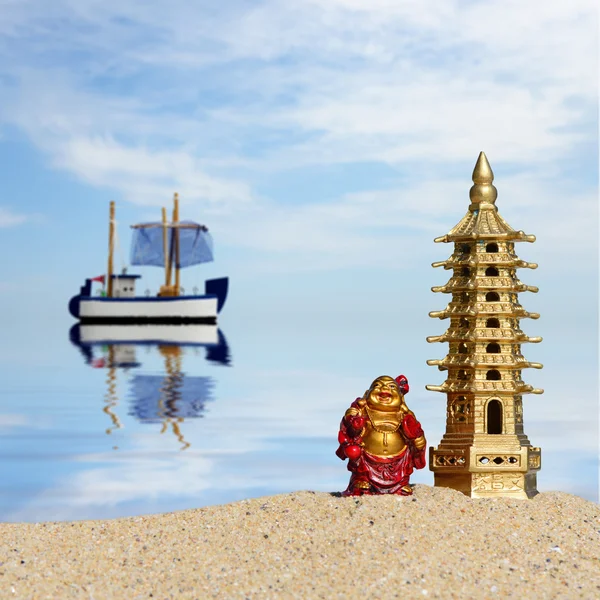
(494, 417)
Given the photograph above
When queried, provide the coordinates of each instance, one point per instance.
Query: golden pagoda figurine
(484, 452)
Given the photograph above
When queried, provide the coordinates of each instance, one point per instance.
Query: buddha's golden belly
(381, 443)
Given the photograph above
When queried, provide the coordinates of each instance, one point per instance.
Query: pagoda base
(490, 485)
(487, 473)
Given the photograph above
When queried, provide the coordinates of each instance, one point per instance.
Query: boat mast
(166, 248)
(111, 248)
(176, 234)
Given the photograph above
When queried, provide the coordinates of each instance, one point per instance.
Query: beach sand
(435, 544)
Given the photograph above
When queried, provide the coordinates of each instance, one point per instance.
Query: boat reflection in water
(169, 398)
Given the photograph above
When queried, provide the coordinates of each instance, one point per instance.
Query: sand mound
(436, 544)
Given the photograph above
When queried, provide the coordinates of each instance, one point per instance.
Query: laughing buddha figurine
(382, 440)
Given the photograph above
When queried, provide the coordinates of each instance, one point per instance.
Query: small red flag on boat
(100, 278)
(98, 363)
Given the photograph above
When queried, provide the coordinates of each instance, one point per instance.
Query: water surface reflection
(167, 398)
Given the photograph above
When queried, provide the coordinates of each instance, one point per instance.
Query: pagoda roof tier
(483, 221)
(472, 224)
(458, 284)
(501, 259)
(468, 310)
(516, 337)
(484, 360)
(507, 335)
(502, 388)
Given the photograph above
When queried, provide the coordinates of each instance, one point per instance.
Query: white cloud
(8, 218)
(148, 178)
(10, 421)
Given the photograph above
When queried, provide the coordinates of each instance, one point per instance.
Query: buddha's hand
(411, 427)
(420, 442)
(355, 423)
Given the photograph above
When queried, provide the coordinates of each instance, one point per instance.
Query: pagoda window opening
(492, 322)
(463, 322)
(462, 348)
(493, 375)
(494, 417)
(492, 247)
(492, 272)
(492, 297)
(465, 271)
(462, 375)
(493, 348)
(465, 248)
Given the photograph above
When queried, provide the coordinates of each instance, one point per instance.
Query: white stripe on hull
(174, 334)
(177, 308)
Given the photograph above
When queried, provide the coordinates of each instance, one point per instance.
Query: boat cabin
(124, 285)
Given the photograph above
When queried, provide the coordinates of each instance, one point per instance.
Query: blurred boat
(171, 245)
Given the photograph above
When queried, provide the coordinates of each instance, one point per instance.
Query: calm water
(94, 429)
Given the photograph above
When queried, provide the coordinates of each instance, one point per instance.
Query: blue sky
(325, 144)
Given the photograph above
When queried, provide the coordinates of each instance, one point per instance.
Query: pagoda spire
(482, 173)
(484, 451)
(483, 192)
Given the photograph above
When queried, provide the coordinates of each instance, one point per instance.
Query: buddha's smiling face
(384, 395)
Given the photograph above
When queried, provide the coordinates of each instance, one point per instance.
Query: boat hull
(193, 335)
(160, 310)
(172, 310)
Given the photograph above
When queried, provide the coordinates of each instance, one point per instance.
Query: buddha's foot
(360, 488)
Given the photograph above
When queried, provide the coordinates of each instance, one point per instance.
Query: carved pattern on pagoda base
(535, 461)
(498, 460)
(477, 459)
(492, 462)
(498, 481)
(488, 485)
(449, 460)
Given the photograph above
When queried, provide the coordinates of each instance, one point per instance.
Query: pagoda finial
(483, 191)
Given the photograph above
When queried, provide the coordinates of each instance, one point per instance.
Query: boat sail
(171, 245)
